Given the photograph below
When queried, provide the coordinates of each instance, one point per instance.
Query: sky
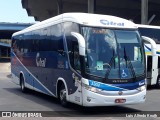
(12, 11)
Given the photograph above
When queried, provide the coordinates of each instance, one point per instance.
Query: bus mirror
(81, 42)
(152, 42)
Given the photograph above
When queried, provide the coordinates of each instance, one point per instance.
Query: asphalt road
(12, 99)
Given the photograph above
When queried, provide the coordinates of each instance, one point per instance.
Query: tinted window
(56, 38)
(46, 39)
(150, 32)
(72, 44)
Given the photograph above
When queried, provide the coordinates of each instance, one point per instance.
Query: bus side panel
(40, 56)
(43, 78)
(55, 66)
(31, 73)
(14, 68)
(47, 69)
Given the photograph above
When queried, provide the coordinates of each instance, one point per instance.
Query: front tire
(62, 96)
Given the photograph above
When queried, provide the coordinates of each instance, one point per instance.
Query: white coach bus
(152, 59)
(87, 59)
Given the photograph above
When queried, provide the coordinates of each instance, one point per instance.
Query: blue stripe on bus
(116, 87)
(37, 85)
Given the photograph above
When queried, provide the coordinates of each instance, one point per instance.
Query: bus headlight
(141, 88)
(92, 89)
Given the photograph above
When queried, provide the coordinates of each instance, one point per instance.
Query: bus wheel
(22, 84)
(158, 82)
(62, 96)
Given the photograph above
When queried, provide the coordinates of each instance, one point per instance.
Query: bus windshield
(113, 54)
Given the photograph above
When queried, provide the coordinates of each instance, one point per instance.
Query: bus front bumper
(95, 99)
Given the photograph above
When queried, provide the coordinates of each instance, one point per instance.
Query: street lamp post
(144, 11)
(91, 6)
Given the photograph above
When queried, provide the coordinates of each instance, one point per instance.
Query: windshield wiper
(127, 59)
(110, 63)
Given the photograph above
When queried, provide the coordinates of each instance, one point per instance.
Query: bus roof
(148, 26)
(85, 19)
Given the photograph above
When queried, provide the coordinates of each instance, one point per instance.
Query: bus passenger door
(154, 69)
(76, 96)
(149, 69)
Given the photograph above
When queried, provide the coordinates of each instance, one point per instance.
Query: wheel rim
(22, 85)
(63, 95)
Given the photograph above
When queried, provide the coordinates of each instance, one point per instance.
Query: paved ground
(12, 99)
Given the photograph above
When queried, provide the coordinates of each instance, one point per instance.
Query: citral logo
(107, 22)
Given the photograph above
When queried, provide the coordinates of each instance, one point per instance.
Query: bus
(82, 58)
(152, 59)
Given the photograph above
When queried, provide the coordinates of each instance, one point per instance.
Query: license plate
(120, 100)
